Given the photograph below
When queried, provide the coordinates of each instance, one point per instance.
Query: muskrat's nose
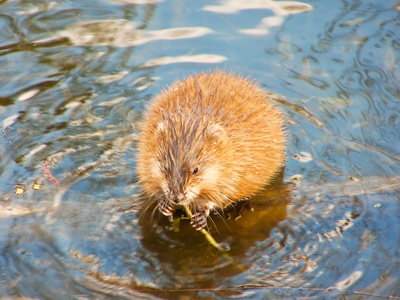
(178, 198)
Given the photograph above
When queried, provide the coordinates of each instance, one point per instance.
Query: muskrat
(208, 141)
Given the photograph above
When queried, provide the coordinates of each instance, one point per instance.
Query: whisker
(215, 226)
(145, 209)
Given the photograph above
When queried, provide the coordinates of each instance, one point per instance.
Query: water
(75, 77)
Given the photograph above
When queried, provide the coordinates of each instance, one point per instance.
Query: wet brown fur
(219, 123)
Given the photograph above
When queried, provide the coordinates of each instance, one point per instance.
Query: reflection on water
(98, 33)
(199, 58)
(280, 9)
(75, 79)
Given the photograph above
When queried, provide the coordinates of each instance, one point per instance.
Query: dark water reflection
(75, 78)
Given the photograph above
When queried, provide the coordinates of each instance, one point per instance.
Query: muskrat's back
(208, 141)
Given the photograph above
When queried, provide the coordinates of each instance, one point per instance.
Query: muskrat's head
(185, 165)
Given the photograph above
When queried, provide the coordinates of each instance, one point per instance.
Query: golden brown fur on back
(210, 140)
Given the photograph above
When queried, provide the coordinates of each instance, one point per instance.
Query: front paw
(166, 207)
(241, 205)
(199, 220)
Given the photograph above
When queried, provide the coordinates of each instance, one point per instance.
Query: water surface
(75, 78)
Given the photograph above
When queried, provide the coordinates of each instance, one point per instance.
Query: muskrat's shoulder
(214, 94)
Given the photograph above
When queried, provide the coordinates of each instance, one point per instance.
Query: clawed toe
(240, 206)
(199, 220)
(166, 207)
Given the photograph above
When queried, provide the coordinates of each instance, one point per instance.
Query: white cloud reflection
(123, 2)
(281, 9)
(122, 33)
(199, 58)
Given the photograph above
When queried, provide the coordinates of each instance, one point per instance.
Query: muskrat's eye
(195, 170)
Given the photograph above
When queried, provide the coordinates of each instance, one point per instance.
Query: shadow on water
(240, 227)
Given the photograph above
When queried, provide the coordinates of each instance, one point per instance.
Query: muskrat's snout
(178, 198)
(175, 197)
(167, 203)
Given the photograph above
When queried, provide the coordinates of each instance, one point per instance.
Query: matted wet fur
(207, 142)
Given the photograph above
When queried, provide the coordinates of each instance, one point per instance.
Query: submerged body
(207, 142)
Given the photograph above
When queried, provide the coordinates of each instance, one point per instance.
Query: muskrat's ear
(160, 129)
(216, 131)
